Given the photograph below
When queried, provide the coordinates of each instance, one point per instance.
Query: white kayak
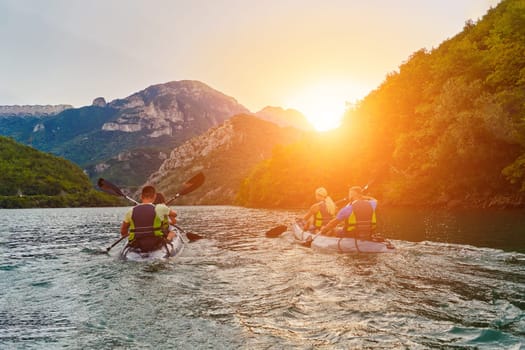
(165, 252)
(341, 245)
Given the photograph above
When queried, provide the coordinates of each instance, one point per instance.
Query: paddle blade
(307, 243)
(193, 236)
(191, 185)
(276, 231)
(108, 187)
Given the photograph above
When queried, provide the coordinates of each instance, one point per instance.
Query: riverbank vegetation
(30, 178)
(446, 129)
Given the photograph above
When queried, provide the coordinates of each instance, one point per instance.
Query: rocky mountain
(166, 109)
(285, 117)
(225, 154)
(147, 124)
(32, 110)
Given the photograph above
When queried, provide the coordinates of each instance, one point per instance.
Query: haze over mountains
(129, 138)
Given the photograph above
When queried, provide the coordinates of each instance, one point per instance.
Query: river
(456, 281)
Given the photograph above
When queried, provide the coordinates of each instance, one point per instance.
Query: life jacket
(322, 217)
(145, 227)
(362, 222)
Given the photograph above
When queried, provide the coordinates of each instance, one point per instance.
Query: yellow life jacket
(362, 222)
(322, 217)
(145, 222)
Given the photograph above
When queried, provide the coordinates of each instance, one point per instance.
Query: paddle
(189, 186)
(191, 236)
(112, 189)
(308, 242)
(278, 230)
(114, 244)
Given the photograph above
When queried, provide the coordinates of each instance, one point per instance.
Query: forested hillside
(30, 178)
(447, 129)
(225, 154)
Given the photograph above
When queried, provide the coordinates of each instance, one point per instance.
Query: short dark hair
(159, 198)
(148, 192)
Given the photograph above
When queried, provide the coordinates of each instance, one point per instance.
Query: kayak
(342, 245)
(165, 252)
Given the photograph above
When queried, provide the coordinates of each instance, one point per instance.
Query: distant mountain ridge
(165, 109)
(148, 123)
(32, 110)
(285, 117)
(225, 154)
(128, 139)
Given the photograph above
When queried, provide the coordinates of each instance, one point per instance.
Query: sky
(311, 55)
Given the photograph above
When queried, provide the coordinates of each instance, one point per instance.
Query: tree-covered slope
(447, 129)
(225, 154)
(31, 178)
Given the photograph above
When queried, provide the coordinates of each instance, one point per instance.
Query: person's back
(361, 218)
(323, 215)
(142, 224)
(145, 228)
(321, 212)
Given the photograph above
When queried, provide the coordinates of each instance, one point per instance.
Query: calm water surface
(457, 281)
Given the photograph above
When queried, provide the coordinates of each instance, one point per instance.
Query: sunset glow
(266, 58)
(323, 104)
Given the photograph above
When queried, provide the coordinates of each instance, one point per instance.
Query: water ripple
(237, 289)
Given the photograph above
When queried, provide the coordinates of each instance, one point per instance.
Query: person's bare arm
(330, 226)
(307, 217)
(172, 217)
(124, 228)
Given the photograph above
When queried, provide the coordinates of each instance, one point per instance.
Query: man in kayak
(321, 212)
(359, 217)
(143, 223)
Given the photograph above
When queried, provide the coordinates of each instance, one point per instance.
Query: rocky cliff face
(32, 110)
(166, 109)
(285, 117)
(225, 154)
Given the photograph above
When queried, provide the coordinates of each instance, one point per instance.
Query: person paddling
(359, 216)
(143, 223)
(167, 221)
(321, 212)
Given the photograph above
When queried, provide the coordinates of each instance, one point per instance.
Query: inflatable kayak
(164, 252)
(342, 245)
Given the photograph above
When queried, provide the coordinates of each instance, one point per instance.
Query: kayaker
(321, 212)
(359, 217)
(171, 219)
(143, 223)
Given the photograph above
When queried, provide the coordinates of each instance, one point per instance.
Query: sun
(324, 113)
(323, 105)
